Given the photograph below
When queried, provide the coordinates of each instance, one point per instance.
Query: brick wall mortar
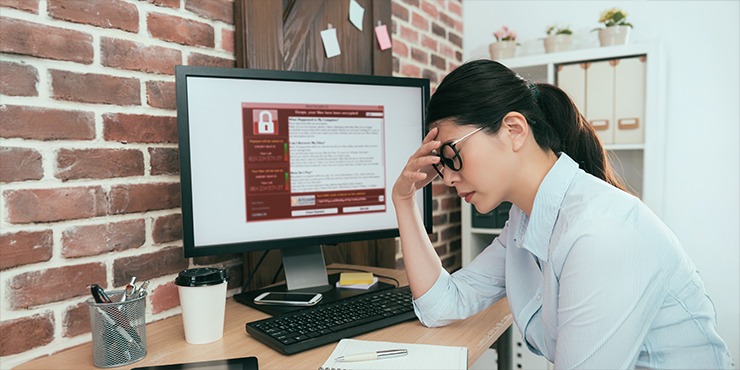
(49, 149)
(142, 36)
(436, 14)
(428, 33)
(98, 33)
(44, 100)
(59, 227)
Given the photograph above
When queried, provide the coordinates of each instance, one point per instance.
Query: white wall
(701, 40)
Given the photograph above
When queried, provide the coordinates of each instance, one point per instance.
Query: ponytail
(577, 137)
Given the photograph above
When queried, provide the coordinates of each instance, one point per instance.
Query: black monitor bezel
(188, 236)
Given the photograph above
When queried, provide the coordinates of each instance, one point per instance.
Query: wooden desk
(166, 339)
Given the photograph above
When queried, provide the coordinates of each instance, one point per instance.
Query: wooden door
(285, 35)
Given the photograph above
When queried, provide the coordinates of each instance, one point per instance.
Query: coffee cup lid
(201, 276)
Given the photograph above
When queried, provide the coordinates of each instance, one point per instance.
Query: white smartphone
(288, 299)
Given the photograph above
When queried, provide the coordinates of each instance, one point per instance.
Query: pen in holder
(118, 330)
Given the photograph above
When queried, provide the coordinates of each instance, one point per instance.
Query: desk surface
(166, 339)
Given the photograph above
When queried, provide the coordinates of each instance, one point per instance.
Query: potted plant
(558, 39)
(505, 45)
(616, 29)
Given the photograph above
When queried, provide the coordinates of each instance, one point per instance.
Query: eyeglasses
(450, 156)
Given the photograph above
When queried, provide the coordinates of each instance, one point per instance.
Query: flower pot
(556, 43)
(502, 49)
(616, 35)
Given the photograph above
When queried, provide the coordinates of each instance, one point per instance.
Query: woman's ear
(517, 128)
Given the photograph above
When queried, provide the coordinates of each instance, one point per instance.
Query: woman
(594, 279)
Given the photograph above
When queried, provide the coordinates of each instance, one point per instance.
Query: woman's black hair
(482, 92)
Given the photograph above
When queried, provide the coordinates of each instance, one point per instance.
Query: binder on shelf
(502, 214)
(483, 220)
(572, 79)
(600, 99)
(629, 101)
(496, 219)
(611, 95)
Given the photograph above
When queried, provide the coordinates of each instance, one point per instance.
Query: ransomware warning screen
(307, 160)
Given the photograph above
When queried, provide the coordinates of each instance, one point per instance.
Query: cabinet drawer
(571, 78)
(629, 101)
(600, 99)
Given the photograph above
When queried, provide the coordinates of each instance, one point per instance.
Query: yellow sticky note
(352, 278)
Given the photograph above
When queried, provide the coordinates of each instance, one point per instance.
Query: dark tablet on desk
(244, 363)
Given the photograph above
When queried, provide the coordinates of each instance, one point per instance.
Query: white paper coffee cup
(202, 294)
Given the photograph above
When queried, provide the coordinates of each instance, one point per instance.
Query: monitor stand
(305, 271)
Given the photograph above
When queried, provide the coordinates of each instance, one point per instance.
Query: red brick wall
(427, 42)
(89, 174)
(89, 171)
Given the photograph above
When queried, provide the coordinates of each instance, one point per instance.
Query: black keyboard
(315, 326)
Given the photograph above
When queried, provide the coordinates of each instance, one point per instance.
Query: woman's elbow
(432, 322)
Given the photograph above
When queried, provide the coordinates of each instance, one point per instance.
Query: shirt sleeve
(611, 288)
(467, 291)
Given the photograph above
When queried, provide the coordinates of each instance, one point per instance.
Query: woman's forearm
(419, 258)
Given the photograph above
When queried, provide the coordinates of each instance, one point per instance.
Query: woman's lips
(467, 196)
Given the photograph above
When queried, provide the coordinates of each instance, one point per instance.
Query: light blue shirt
(594, 280)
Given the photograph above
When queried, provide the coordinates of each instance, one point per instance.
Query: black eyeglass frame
(450, 162)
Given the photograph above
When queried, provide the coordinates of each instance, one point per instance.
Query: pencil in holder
(118, 330)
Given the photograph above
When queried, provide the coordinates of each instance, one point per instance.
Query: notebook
(420, 356)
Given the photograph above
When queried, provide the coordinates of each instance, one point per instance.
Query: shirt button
(537, 297)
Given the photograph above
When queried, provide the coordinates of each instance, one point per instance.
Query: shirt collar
(546, 206)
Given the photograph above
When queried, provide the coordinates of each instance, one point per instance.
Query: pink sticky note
(383, 39)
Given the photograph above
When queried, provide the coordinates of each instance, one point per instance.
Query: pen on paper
(373, 355)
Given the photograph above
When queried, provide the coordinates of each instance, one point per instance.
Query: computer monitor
(293, 160)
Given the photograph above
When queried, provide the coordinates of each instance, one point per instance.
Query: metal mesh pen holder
(118, 330)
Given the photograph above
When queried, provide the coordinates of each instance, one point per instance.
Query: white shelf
(483, 230)
(624, 147)
(575, 56)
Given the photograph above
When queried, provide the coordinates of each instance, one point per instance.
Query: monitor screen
(278, 159)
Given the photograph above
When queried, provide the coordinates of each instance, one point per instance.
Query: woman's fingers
(431, 135)
(425, 163)
(426, 176)
(429, 144)
(419, 170)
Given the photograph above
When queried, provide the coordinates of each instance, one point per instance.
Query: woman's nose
(450, 176)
